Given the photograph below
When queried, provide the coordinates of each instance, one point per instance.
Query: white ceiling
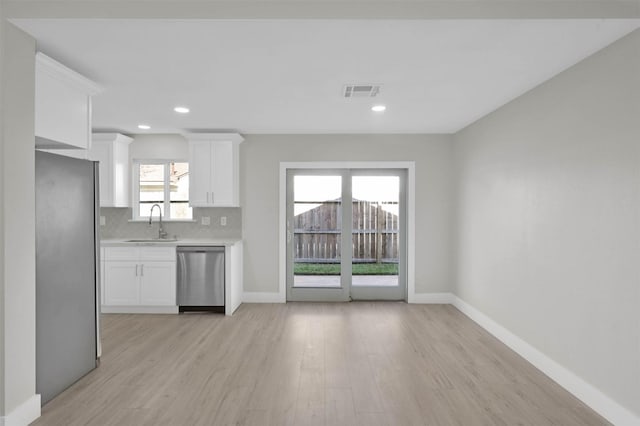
(286, 76)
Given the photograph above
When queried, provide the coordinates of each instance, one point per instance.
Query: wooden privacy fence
(374, 233)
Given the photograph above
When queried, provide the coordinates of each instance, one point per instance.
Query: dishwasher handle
(200, 249)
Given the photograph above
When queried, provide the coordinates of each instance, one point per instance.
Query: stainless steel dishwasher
(200, 278)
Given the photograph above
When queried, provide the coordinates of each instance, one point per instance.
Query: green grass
(334, 269)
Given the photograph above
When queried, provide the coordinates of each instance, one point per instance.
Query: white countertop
(120, 242)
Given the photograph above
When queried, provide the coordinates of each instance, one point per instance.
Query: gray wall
(260, 157)
(548, 229)
(159, 147)
(2, 224)
(18, 222)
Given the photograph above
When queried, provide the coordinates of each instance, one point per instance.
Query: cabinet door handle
(207, 197)
(212, 202)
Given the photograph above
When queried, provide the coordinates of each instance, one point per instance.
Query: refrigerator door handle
(136, 270)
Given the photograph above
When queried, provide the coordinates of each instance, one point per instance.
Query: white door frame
(411, 216)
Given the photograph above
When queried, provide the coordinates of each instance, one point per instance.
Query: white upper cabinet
(62, 106)
(112, 151)
(199, 172)
(214, 169)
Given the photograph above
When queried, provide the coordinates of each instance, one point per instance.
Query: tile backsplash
(117, 224)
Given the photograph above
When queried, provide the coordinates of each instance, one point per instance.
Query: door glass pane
(151, 188)
(317, 225)
(375, 230)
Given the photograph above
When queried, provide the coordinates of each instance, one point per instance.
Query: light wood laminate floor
(312, 364)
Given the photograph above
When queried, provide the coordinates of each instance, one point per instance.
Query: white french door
(378, 229)
(346, 234)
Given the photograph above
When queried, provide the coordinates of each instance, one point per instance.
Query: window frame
(166, 215)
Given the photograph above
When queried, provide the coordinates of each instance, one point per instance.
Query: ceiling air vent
(361, 90)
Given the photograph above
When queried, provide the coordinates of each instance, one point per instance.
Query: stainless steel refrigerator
(67, 259)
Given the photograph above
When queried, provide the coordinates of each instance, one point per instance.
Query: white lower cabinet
(121, 283)
(142, 277)
(158, 283)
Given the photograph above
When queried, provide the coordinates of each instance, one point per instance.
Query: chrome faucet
(162, 234)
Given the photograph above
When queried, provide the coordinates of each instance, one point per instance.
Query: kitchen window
(165, 183)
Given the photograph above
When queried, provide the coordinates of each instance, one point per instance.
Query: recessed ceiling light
(378, 108)
(144, 126)
(181, 109)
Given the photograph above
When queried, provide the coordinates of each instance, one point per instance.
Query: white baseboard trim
(432, 298)
(24, 414)
(587, 393)
(108, 309)
(259, 297)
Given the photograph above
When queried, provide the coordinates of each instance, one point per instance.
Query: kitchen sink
(152, 240)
